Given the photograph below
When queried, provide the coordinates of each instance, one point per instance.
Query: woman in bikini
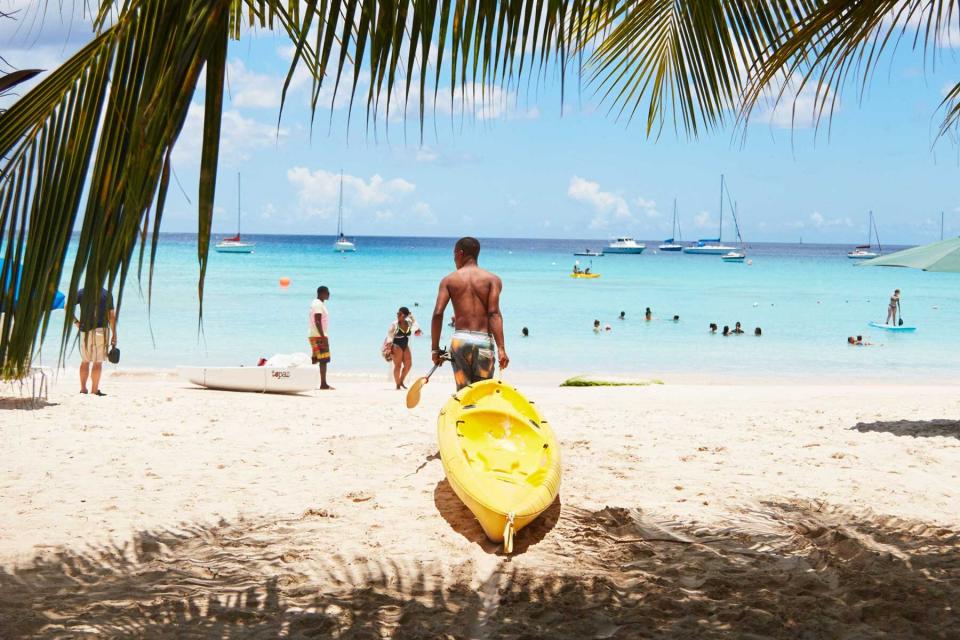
(398, 338)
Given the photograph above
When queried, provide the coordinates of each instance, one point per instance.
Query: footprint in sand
(359, 496)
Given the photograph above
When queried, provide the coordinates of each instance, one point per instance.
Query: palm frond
(90, 145)
(685, 62)
(102, 124)
(841, 42)
(951, 108)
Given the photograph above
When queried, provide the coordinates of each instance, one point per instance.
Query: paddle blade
(413, 395)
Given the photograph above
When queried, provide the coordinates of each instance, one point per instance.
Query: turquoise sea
(807, 299)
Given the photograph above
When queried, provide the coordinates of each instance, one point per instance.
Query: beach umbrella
(58, 299)
(938, 256)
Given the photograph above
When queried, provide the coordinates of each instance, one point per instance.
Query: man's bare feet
(326, 387)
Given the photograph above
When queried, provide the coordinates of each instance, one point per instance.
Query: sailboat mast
(340, 208)
(720, 233)
(238, 204)
(673, 231)
(941, 225)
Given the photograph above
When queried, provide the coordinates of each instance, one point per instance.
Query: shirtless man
(475, 294)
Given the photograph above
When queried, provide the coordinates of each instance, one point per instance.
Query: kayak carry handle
(508, 532)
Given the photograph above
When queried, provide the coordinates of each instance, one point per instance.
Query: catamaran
(712, 246)
(863, 251)
(669, 244)
(235, 244)
(342, 245)
(625, 245)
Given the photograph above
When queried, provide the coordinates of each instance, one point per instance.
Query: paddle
(899, 313)
(413, 395)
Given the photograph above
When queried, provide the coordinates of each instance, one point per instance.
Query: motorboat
(865, 251)
(342, 245)
(589, 253)
(235, 244)
(625, 245)
(669, 244)
(733, 256)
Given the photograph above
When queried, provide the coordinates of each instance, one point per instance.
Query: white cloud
(604, 203)
(423, 211)
(268, 211)
(426, 154)
(817, 220)
(238, 136)
(703, 220)
(318, 191)
(798, 110)
(648, 207)
(489, 103)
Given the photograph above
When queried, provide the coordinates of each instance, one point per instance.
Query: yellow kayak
(584, 275)
(501, 458)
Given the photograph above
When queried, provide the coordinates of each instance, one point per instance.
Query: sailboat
(863, 251)
(712, 246)
(737, 255)
(342, 245)
(235, 244)
(669, 244)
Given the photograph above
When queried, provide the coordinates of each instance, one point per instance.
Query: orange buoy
(284, 282)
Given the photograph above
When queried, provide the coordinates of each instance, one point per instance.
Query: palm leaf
(89, 146)
(103, 123)
(836, 43)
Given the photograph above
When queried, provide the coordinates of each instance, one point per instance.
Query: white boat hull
(234, 247)
(255, 379)
(670, 247)
(709, 250)
(343, 247)
(862, 255)
(624, 250)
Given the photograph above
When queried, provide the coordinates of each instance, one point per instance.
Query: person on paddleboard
(893, 308)
(475, 294)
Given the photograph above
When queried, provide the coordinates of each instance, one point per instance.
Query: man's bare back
(470, 289)
(475, 294)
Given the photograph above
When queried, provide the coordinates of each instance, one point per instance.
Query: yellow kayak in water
(500, 456)
(584, 275)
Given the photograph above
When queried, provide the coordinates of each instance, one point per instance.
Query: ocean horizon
(807, 298)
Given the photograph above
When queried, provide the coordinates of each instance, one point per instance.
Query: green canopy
(939, 256)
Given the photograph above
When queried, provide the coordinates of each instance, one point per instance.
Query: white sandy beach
(686, 510)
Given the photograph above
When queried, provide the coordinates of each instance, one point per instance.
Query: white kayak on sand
(892, 327)
(265, 379)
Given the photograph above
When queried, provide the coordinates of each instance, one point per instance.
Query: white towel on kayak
(289, 360)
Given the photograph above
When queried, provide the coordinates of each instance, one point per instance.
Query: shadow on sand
(461, 520)
(913, 428)
(785, 570)
(8, 403)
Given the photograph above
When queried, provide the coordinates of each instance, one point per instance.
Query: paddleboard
(255, 379)
(892, 327)
(587, 276)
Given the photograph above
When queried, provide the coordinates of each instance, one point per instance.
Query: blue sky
(516, 166)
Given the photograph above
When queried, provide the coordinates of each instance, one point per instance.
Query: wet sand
(686, 510)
